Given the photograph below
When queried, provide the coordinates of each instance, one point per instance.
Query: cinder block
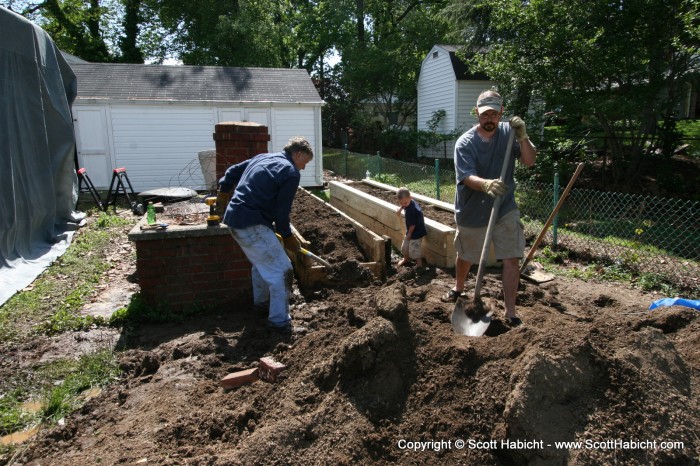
(236, 379)
(270, 369)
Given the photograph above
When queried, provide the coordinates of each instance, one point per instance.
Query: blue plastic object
(692, 303)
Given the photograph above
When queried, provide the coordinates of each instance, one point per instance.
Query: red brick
(270, 369)
(236, 379)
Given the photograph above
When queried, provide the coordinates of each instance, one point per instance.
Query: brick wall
(188, 266)
(189, 269)
(237, 141)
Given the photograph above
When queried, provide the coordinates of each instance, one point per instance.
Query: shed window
(435, 54)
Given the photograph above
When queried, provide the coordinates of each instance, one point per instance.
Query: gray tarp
(38, 184)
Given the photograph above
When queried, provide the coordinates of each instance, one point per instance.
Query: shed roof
(177, 83)
(462, 72)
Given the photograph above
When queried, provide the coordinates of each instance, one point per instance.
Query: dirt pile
(380, 378)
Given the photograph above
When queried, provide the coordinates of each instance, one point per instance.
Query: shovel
(473, 320)
(309, 254)
(535, 272)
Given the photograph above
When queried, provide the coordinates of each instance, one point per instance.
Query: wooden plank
(380, 217)
(450, 207)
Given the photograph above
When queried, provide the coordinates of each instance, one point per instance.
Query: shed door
(93, 144)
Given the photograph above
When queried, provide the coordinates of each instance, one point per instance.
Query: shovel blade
(534, 272)
(465, 321)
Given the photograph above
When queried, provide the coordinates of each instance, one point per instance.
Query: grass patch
(139, 311)
(74, 377)
(13, 417)
(59, 386)
(63, 288)
(323, 194)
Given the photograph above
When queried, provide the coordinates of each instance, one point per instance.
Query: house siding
(436, 90)
(290, 122)
(439, 88)
(468, 94)
(159, 144)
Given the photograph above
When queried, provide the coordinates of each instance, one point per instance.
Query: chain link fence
(650, 236)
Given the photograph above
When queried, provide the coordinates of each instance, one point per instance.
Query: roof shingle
(194, 83)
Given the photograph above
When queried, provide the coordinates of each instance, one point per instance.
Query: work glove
(494, 187)
(518, 126)
(291, 243)
(222, 200)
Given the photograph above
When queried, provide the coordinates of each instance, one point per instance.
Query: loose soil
(379, 374)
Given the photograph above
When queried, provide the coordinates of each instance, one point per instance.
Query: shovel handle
(492, 221)
(549, 221)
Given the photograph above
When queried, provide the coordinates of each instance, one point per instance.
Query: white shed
(446, 84)
(154, 120)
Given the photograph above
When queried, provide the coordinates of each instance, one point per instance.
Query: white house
(154, 120)
(446, 84)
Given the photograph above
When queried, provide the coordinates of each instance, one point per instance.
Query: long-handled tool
(536, 274)
(310, 254)
(473, 320)
(315, 257)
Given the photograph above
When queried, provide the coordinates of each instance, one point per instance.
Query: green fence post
(379, 160)
(345, 157)
(437, 179)
(554, 203)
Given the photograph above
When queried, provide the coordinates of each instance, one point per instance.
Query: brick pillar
(237, 141)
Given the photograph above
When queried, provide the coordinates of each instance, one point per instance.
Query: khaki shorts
(413, 247)
(508, 239)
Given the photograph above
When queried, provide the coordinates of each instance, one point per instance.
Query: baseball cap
(489, 102)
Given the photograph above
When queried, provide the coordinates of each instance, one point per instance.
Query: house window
(435, 54)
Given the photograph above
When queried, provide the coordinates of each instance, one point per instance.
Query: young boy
(411, 247)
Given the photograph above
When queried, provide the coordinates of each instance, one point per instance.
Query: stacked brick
(191, 271)
(237, 141)
(185, 267)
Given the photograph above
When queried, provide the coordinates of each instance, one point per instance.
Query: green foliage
(138, 311)
(323, 194)
(109, 220)
(392, 179)
(76, 26)
(654, 282)
(12, 417)
(66, 320)
(616, 66)
(59, 386)
(55, 296)
(91, 370)
(560, 154)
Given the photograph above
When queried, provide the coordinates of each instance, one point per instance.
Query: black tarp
(38, 184)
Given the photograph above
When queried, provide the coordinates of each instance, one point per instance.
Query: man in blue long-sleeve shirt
(263, 191)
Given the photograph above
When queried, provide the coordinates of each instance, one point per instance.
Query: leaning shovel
(537, 274)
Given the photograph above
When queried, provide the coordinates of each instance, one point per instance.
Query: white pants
(272, 271)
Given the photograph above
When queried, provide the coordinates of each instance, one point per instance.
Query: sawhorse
(117, 188)
(89, 187)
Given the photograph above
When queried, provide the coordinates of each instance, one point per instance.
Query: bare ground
(380, 371)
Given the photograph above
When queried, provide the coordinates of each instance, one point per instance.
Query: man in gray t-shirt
(479, 156)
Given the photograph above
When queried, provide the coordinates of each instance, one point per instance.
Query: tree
(76, 26)
(381, 61)
(620, 63)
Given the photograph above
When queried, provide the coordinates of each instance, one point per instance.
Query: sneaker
(451, 296)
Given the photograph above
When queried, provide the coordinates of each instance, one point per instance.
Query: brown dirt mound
(380, 378)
